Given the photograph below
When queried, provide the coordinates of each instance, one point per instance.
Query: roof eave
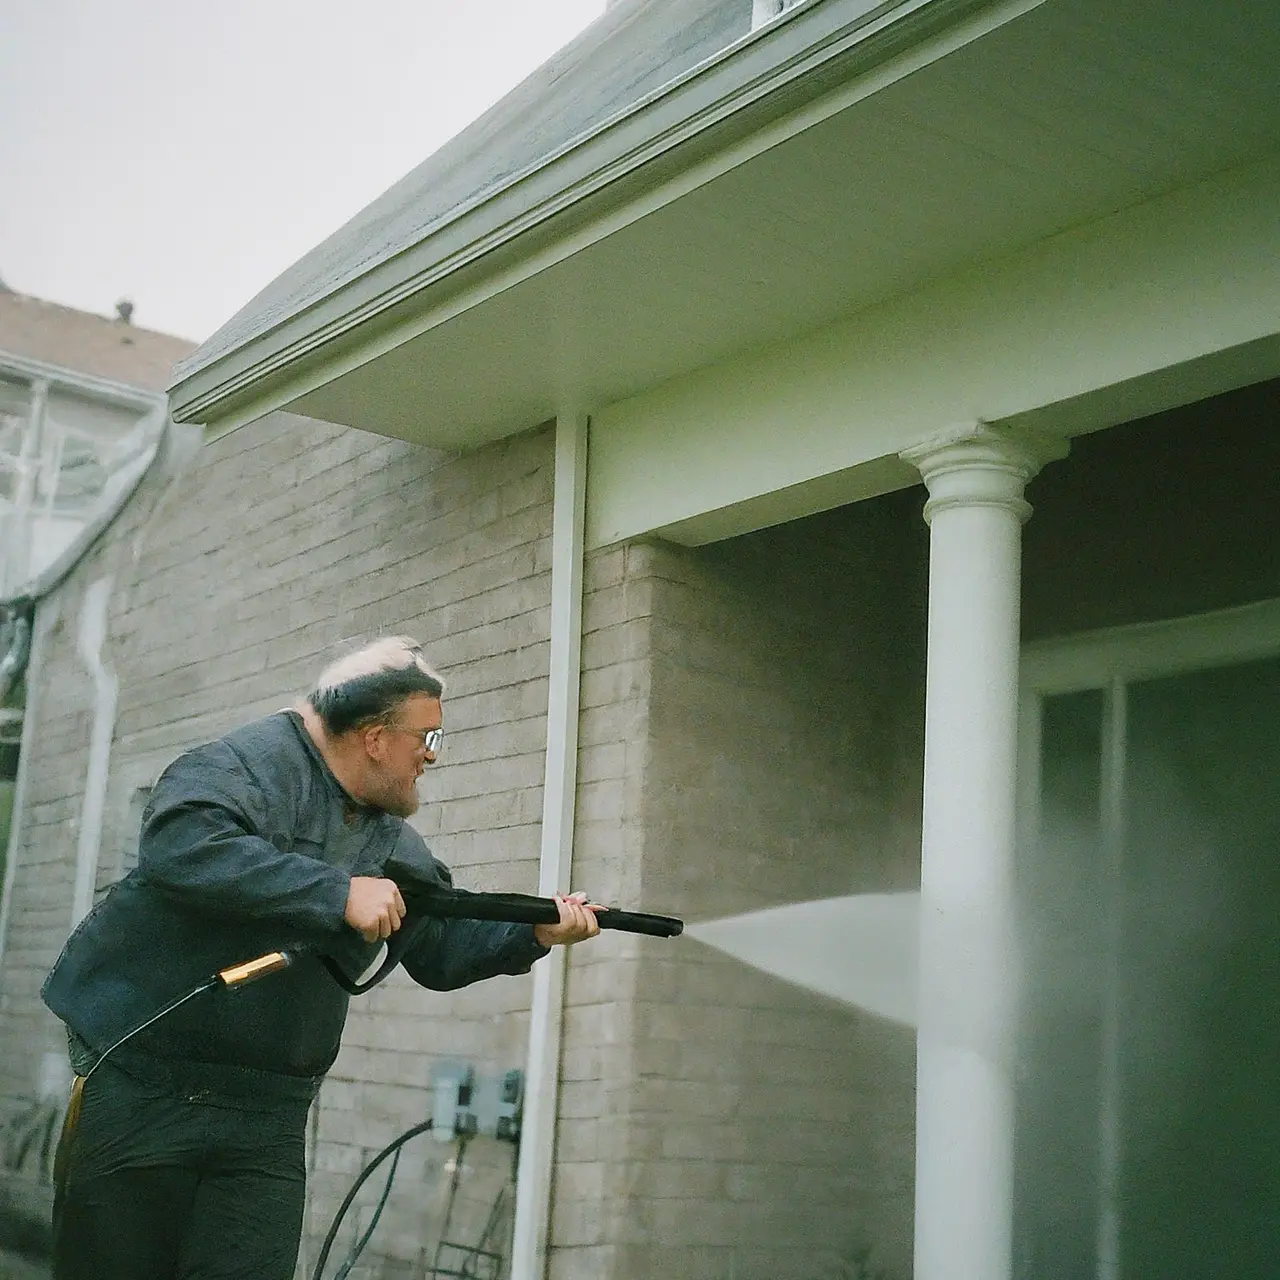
(772, 74)
(108, 390)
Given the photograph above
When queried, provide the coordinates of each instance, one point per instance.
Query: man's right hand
(374, 907)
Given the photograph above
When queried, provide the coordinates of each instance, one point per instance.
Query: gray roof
(87, 343)
(634, 48)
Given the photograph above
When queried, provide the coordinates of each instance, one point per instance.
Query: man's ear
(375, 742)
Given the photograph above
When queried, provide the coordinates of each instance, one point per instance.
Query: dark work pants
(164, 1187)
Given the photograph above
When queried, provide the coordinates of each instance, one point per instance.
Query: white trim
(1091, 659)
(106, 389)
(546, 1017)
(46, 616)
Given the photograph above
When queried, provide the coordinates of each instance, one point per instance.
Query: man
(187, 1157)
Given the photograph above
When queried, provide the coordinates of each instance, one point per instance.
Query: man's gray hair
(367, 686)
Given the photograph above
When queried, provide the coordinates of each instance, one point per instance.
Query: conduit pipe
(14, 661)
(46, 615)
(90, 642)
(546, 1018)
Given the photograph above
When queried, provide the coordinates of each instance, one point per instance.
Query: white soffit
(672, 139)
(1015, 125)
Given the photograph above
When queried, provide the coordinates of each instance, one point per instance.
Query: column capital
(980, 465)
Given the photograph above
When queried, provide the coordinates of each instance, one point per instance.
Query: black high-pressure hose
(392, 1148)
(423, 900)
(235, 975)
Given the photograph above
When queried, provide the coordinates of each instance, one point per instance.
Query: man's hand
(577, 921)
(374, 907)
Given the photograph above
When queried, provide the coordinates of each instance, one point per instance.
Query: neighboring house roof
(103, 425)
(88, 343)
(633, 49)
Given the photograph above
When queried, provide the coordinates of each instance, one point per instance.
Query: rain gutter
(89, 384)
(46, 615)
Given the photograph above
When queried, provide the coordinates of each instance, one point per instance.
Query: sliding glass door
(1148, 1126)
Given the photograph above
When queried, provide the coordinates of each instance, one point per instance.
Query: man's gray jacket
(248, 845)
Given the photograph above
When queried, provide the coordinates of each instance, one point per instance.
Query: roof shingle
(631, 50)
(88, 343)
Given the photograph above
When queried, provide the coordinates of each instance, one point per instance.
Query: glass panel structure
(66, 459)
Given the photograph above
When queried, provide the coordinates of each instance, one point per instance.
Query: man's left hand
(577, 921)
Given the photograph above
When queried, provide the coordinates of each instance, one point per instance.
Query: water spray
(861, 950)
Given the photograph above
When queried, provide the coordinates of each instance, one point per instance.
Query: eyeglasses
(432, 739)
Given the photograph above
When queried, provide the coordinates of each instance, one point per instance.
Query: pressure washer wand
(522, 908)
(423, 901)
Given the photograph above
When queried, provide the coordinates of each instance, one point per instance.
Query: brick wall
(287, 539)
(765, 713)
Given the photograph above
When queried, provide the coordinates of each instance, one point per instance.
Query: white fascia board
(769, 86)
(1156, 305)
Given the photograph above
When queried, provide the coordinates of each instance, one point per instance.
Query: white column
(964, 1069)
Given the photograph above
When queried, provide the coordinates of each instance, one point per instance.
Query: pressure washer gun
(424, 901)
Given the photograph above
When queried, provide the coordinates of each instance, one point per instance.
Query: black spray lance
(424, 901)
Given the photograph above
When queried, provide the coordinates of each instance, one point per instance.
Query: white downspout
(46, 615)
(90, 642)
(546, 1018)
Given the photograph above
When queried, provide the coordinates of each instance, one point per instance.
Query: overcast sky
(182, 153)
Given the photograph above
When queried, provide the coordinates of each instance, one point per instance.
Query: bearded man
(187, 1159)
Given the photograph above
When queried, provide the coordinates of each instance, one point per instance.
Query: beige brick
(589, 1262)
(619, 642)
(577, 1222)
